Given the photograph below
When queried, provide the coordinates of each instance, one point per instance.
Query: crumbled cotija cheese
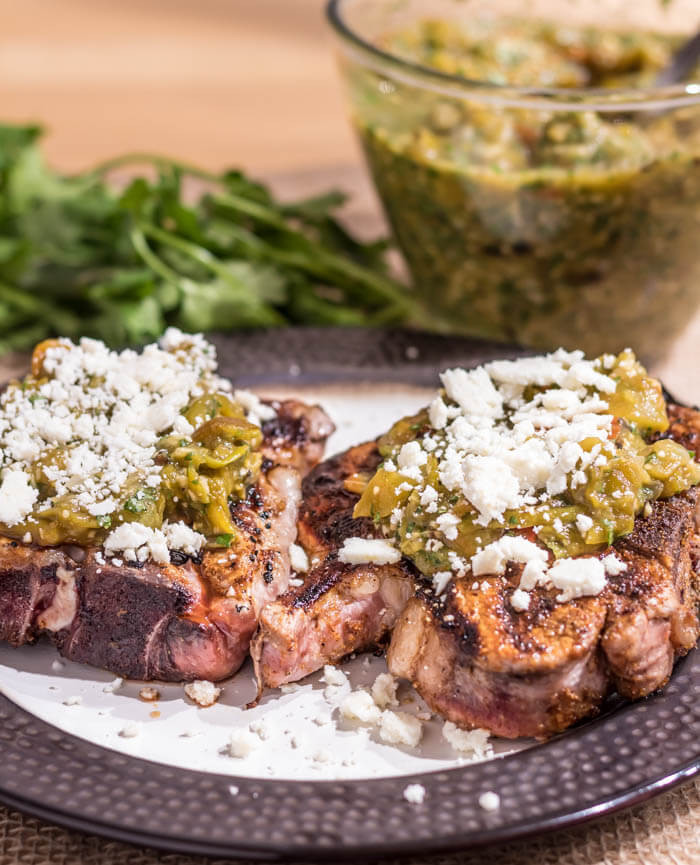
(520, 600)
(490, 801)
(384, 691)
(415, 794)
(298, 558)
(400, 728)
(359, 551)
(359, 706)
(129, 731)
(613, 566)
(503, 447)
(577, 577)
(107, 410)
(475, 742)
(17, 497)
(203, 693)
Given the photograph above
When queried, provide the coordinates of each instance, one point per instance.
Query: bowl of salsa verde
(542, 188)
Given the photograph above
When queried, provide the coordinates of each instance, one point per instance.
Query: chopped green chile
(529, 225)
(612, 496)
(200, 477)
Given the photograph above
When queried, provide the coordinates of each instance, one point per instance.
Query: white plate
(302, 735)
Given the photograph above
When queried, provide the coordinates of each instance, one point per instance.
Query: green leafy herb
(81, 256)
(104, 521)
(223, 540)
(139, 501)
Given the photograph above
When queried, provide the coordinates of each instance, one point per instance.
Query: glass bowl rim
(538, 98)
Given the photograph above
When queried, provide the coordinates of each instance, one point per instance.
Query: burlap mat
(664, 831)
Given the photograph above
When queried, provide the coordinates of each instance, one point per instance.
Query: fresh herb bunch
(81, 256)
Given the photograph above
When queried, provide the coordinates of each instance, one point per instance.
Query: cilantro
(104, 521)
(512, 520)
(223, 540)
(82, 255)
(139, 501)
(610, 528)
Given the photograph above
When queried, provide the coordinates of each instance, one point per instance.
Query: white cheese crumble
(113, 686)
(106, 410)
(180, 536)
(360, 551)
(577, 577)
(384, 691)
(415, 794)
(298, 559)
(334, 676)
(411, 455)
(583, 523)
(613, 566)
(510, 548)
(359, 706)
(400, 728)
(129, 731)
(137, 543)
(256, 411)
(490, 801)
(17, 496)
(441, 579)
(203, 693)
(520, 600)
(473, 742)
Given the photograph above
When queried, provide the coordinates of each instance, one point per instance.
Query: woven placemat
(663, 831)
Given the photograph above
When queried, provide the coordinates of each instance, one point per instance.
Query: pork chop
(470, 655)
(341, 608)
(190, 619)
(534, 672)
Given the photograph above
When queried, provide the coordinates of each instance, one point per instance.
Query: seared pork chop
(190, 619)
(471, 656)
(534, 672)
(341, 608)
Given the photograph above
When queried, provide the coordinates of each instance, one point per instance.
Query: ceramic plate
(83, 750)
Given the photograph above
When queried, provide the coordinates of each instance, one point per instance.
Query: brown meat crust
(534, 673)
(474, 658)
(341, 608)
(190, 619)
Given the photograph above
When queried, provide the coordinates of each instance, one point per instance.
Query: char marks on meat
(533, 673)
(340, 608)
(473, 658)
(191, 619)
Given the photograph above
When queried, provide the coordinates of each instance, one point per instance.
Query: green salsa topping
(542, 226)
(633, 467)
(192, 477)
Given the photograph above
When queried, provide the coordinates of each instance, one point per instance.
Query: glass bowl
(541, 215)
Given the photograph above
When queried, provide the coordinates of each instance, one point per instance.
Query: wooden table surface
(247, 82)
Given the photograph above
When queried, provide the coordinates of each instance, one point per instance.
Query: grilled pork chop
(341, 608)
(470, 655)
(191, 619)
